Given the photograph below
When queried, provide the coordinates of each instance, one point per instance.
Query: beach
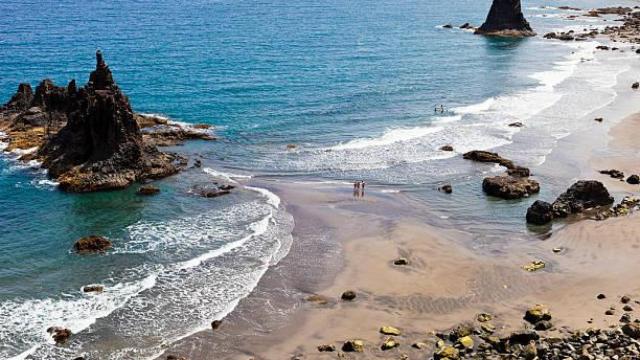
(217, 217)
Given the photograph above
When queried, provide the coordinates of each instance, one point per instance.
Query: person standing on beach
(362, 184)
(356, 188)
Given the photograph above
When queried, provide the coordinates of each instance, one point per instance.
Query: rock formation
(506, 19)
(100, 147)
(583, 195)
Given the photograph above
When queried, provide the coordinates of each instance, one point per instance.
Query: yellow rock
(466, 342)
(389, 344)
(447, 352)
(484, 317)
(390, 330)
(534, 266)
(353, 346)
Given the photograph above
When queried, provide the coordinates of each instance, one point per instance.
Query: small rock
(610, 312)
(625, 318)
(466, 342)
(534, 266)
(447, 26)
(537, 313)
(632, 330)
(353, 346)
(616, 174)
(447, 148)
(531, 351)
(291, 146)
(93, 288)
(401, 262)
(389, 344)
(633, 179)
(148, 190)
(484, 317)
(215, 324)
(599, 119)
(348, 295)
(390, 330)
(59, 334)
(488, 328)
(557, 250)
(516, 124)
(92, 244)
(419, 345)
(625, 299)
(635, 85)
(601, 296)
(326, 348)
(446, 189)
(447, 352)
(627, 308)
(543, 325)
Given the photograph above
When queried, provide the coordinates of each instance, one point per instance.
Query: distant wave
(388, 138)
(226, 176)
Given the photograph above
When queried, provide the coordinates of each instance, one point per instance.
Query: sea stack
(101, 146)
(506, 19)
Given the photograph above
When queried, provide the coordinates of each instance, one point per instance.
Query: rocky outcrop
(487, 156)
(59, 334)
(100, 147)
(92, 244)
(510, 187)
(583, 195)
(506, 19)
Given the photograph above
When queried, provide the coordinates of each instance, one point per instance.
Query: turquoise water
(352, 83)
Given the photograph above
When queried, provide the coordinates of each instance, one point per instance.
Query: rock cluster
(506, 19)
(515, 184)
(583, 195)
(89, 138)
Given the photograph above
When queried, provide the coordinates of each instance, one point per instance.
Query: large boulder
(506, 19)
(510, 187)
(540, 213)
(584, 194)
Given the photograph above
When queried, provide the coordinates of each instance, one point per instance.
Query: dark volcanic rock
(446, 189)
(616, 174)
(633, 179)
(21, 100)
(506, 19)
(487, 156)
(540, 213)
(100, 147)
(59, 334)
(509, 187)
(582, 195)
(91, 244)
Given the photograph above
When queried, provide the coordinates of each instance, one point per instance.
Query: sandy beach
(342, 243)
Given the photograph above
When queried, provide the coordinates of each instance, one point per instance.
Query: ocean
(352, 84)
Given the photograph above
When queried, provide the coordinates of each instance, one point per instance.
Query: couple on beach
(358, 188)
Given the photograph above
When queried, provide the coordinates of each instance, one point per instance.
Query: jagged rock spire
(506, 19)
(101, 78)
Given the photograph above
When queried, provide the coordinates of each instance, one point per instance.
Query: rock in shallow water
(506, 19)
(510, 187)
(92, 244)
(539, 213)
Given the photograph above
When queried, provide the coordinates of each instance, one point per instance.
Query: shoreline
(361, 259)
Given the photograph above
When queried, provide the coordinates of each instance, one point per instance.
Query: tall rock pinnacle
(506, 19)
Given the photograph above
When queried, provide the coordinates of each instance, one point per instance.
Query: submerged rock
(93, 288)
(447, 188)
(148, 190)
(616, 174)
(92, 244)
(506, 19)
(510, 187)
